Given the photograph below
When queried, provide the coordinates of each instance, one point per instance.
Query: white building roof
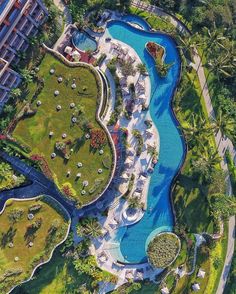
(201, 274)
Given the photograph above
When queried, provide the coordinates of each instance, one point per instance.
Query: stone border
(98, 112)
(177, 254)
(51, 254)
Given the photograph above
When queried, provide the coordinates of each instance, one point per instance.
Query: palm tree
(197, 131)
(27, 76)
(186, 44)
(142, 68)
(15, 93)
(222, 206)
(223, 124)
(89, 227)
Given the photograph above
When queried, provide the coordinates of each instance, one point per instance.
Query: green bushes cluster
(163, 249)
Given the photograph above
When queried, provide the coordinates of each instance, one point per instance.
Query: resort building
(19, 21)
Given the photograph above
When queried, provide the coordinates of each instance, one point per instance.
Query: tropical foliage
(89, 227)
(163, 249)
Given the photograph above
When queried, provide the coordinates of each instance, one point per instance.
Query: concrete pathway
(222, 142)
(41, 184)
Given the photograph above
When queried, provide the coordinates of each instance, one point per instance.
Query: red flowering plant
(98, 138)
(42, 164)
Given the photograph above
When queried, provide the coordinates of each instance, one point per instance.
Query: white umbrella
(76, 55)
(68, 50)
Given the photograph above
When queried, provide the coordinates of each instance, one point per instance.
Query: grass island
(28, 238)
(64, 131)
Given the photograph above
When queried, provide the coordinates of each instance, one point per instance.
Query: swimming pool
(83, 41)
(158, 216)
(136, 20)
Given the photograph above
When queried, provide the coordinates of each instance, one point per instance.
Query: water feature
(83, 41)
(136, 20)
(158, 216)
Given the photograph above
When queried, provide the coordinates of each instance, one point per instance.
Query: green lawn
(34, 131)
(59, 276)
(20, 233)
(190, 197)
(156, 22)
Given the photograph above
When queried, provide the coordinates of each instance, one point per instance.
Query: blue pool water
(136, 20)
(83, 41)
(158, 216)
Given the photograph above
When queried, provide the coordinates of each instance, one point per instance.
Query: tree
(223, 124)
(27, 76)
(134, 202)
(222, 206)
(15, 93)
(197, 131)
(142, 68)
(89, 227)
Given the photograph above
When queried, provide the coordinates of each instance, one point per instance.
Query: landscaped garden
(8, 177)
(63, 133)
(28, 237)
(163, 250)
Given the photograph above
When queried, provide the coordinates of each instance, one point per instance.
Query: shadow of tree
(7, 237)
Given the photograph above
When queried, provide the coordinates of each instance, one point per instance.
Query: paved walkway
(222, 143)
(41, 184)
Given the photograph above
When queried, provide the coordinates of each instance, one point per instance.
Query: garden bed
(163, 250)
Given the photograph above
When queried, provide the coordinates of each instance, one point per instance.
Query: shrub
(98, 138)
(162, 250)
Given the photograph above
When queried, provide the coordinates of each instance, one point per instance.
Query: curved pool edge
(173, 117)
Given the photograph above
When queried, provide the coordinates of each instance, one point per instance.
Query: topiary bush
(163, 250)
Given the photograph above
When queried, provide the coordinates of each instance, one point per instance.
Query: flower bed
(163, 250)
(158, 53)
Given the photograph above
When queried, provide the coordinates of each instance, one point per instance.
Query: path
(41, 184)
(222, 143)
(68, 20)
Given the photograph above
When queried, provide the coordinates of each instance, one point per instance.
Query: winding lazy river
(133, 240)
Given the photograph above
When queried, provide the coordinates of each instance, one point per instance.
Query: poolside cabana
(76, 55)
(142, 97)
(139, 275)
(137, 194)
(125, 176)
(68, 50)
(129, 161)
(130, 151)
(165, 290)
(149, 132)
(196, 287)
(201, 274)
(129, 275)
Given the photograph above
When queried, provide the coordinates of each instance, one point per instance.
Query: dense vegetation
(214, 30)
(27, 238)
(8, 177)
(163, 249)
(71, 270)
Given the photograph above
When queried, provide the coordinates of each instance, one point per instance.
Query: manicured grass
(21, 234)
(157, 23)
(58, 276)
(34, 131)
